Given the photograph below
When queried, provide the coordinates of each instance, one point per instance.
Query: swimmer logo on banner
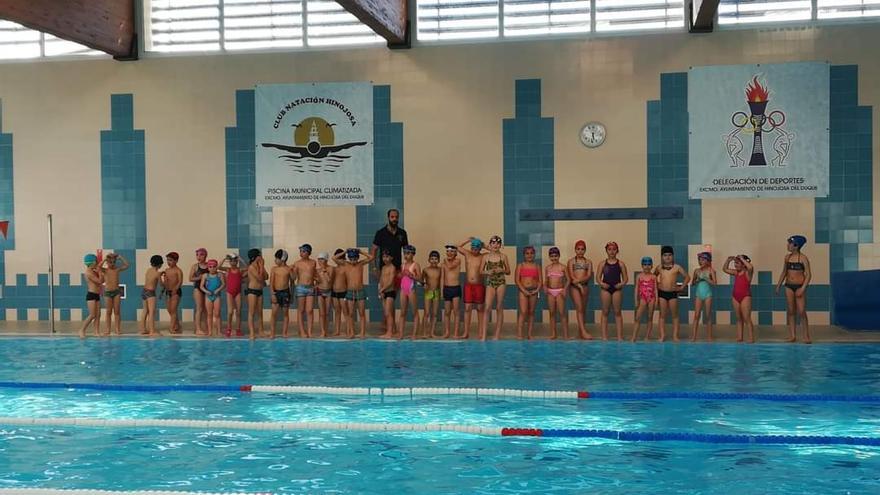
(759, 131)
(314, 144)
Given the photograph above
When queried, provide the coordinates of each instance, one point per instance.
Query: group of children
(339, 291)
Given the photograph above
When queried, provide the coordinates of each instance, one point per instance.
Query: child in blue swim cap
(796, 277)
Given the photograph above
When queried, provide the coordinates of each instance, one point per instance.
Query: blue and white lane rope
(623, 436)
(424, 391)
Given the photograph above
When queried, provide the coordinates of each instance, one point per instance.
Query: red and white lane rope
(623, 436)
(218, 424)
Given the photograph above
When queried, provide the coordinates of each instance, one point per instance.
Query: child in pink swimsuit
(234, 279)
(556, 285)
(410, 272)
(742, 294)
(646, 297)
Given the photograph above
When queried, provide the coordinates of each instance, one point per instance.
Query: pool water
(358, 462)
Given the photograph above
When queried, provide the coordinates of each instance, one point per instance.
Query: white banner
(314, 144)
(759, 130)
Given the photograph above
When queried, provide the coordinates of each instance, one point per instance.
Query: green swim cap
(90, 259)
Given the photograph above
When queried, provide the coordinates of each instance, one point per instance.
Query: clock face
(593, 135)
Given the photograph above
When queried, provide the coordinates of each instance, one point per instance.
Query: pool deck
(723, 333)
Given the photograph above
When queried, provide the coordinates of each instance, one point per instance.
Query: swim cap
(156, 260)
(338, 250)
(323, 256)
(580, 244)
(352, 253)
(647, 260)
(476, 243)
(202, 251)
(745, 258)
(495, 238)
(553, 250)
(386, 252)
(212, 263)
(306, 247)
(451, 247)
(434, 254)
(173, 255)
(798, 240)
(90, 259)
(232, 257)
(409, 249)
(706, 255)
(281, 255)
(610, 244)
(529, 248)
(253, 254)
(667, 250)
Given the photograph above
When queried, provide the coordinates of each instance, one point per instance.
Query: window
(629, 15)
(330, 24)
(54, 47)
(838, 9)
(19, 42)
(251, 24)
(457, 19)
(527, 17)
(182, 25)
(211, 25)
(757, 11)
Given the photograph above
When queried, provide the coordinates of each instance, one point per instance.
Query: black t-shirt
(392, 242)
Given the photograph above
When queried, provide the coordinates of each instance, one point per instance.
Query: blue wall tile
(388, 183)
(247, 225)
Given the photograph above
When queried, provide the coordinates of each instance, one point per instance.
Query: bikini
(577, 265)
(611, 276)
(795, 266)
(555, 292)
(528, 272)
(742, 287)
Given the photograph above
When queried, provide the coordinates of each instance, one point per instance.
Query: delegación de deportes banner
(314, 144)
(759, 131)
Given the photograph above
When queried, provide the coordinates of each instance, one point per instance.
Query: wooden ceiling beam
(702, 15)
(388, 18)
(105, 25)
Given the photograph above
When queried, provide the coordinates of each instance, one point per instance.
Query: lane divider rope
(424, 391)
(623, 436)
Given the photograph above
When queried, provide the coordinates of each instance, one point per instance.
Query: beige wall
(451, 100)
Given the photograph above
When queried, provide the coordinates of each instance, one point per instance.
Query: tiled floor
(723, 333)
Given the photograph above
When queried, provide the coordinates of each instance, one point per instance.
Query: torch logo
(761, 125)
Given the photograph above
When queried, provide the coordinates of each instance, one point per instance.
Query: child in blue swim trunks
(702, 282)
